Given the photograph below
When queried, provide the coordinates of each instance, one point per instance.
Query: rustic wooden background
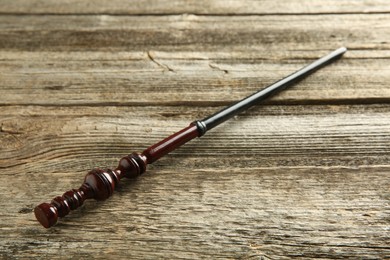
(304, 175)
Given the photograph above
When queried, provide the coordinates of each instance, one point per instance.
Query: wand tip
(341, 50)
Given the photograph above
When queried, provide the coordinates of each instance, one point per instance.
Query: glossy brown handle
(98, 184)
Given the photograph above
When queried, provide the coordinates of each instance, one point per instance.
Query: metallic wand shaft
(232, 110)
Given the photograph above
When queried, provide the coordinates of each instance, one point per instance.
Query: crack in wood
(216, 67)
(10, 132)
(26, 210)
(161, 65)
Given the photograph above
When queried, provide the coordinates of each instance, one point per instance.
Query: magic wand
(99, 184)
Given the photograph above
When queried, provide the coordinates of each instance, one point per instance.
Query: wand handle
(99, 184)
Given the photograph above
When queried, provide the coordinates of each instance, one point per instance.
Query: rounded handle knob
(47, 213)
(98, 184)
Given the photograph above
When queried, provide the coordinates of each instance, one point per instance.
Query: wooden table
(306, 175)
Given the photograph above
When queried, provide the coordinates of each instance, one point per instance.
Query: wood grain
(299, 135)
(304, 175)
(88, 79)
(193, 32)
(302, 182)
(210, 7)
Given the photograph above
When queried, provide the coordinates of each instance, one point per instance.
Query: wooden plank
(279, 213)
(193, 33)
(277, 182)
(304, 176)
(199, 79)
(291, 136)
(193, 6)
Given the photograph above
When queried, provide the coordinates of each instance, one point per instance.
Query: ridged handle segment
(98, 184)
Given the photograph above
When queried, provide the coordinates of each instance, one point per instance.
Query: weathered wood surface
(54, 78)
(306, 175)
(208, 7)
(189, 32)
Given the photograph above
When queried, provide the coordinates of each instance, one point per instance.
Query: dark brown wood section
(172, 142)
(306, 175)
